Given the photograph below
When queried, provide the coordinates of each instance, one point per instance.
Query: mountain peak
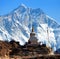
(23, 5)
(18, 24)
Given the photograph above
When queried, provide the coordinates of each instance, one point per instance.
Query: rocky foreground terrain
(13, 50)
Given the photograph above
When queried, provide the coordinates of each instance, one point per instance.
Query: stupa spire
(32, 29)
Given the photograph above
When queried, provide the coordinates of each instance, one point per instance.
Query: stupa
(33, 39)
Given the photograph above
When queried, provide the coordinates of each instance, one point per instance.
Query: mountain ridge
(18, 23)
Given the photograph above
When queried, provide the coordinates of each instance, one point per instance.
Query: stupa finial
(32, 29)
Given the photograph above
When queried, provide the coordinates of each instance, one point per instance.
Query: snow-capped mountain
(17, 25)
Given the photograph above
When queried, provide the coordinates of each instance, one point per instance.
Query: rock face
(7, 47)
(4, 48)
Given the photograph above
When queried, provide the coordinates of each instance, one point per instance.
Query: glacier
(17, 25)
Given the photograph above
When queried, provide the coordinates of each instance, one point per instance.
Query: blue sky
(50, 7)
